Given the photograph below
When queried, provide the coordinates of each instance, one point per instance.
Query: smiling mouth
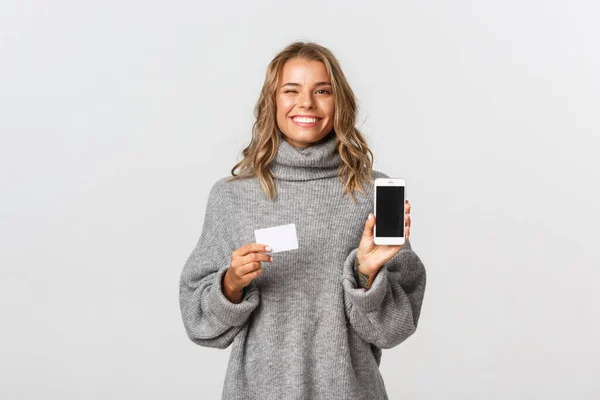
(304, 122)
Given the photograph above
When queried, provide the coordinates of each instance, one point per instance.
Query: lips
(306, 124)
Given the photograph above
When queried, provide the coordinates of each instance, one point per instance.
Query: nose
(306, 100)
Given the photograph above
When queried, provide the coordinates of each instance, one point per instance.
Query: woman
(307, 323)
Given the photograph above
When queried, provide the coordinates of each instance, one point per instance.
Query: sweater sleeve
(388, 312)
(210, 319)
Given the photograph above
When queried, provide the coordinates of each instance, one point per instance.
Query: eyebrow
(297, 84)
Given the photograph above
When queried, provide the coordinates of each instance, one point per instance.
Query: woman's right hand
(245, 266)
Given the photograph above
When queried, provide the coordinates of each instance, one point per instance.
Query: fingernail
(370, 215)
(268, 248)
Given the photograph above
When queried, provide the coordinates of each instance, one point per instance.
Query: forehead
(299, 70)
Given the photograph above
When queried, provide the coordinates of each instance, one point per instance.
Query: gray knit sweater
(304, 329)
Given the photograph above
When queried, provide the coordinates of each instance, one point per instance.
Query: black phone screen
(389, 221)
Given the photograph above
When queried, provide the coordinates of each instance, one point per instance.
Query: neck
(318, 161)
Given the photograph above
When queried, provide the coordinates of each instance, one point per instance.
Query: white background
(116, 117)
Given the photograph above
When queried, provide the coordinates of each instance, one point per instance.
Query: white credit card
(278, 238)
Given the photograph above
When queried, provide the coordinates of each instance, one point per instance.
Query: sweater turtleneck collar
(320, 160)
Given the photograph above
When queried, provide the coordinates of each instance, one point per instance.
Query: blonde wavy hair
(357, 158)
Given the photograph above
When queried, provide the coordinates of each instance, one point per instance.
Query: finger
(407, 219)
(255, 257)
(238, 261)
(254, 274)
(369, 224)
(407, 207)
(250, 247)
(249, 268)
(245, 269)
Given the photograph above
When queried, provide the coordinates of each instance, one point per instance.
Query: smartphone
(389, 198)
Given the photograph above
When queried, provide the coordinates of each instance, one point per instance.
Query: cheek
(329, 108)
(283, 107)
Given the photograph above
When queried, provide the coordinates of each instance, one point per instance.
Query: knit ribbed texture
(302, 164)
(304, 329)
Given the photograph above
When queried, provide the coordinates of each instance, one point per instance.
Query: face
(304, 102)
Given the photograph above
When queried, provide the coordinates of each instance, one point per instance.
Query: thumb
(369, 225)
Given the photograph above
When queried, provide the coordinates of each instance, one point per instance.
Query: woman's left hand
(371, 256)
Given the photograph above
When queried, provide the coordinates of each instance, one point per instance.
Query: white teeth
(305, 120)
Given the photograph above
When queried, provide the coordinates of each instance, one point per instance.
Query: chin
(308, 136)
